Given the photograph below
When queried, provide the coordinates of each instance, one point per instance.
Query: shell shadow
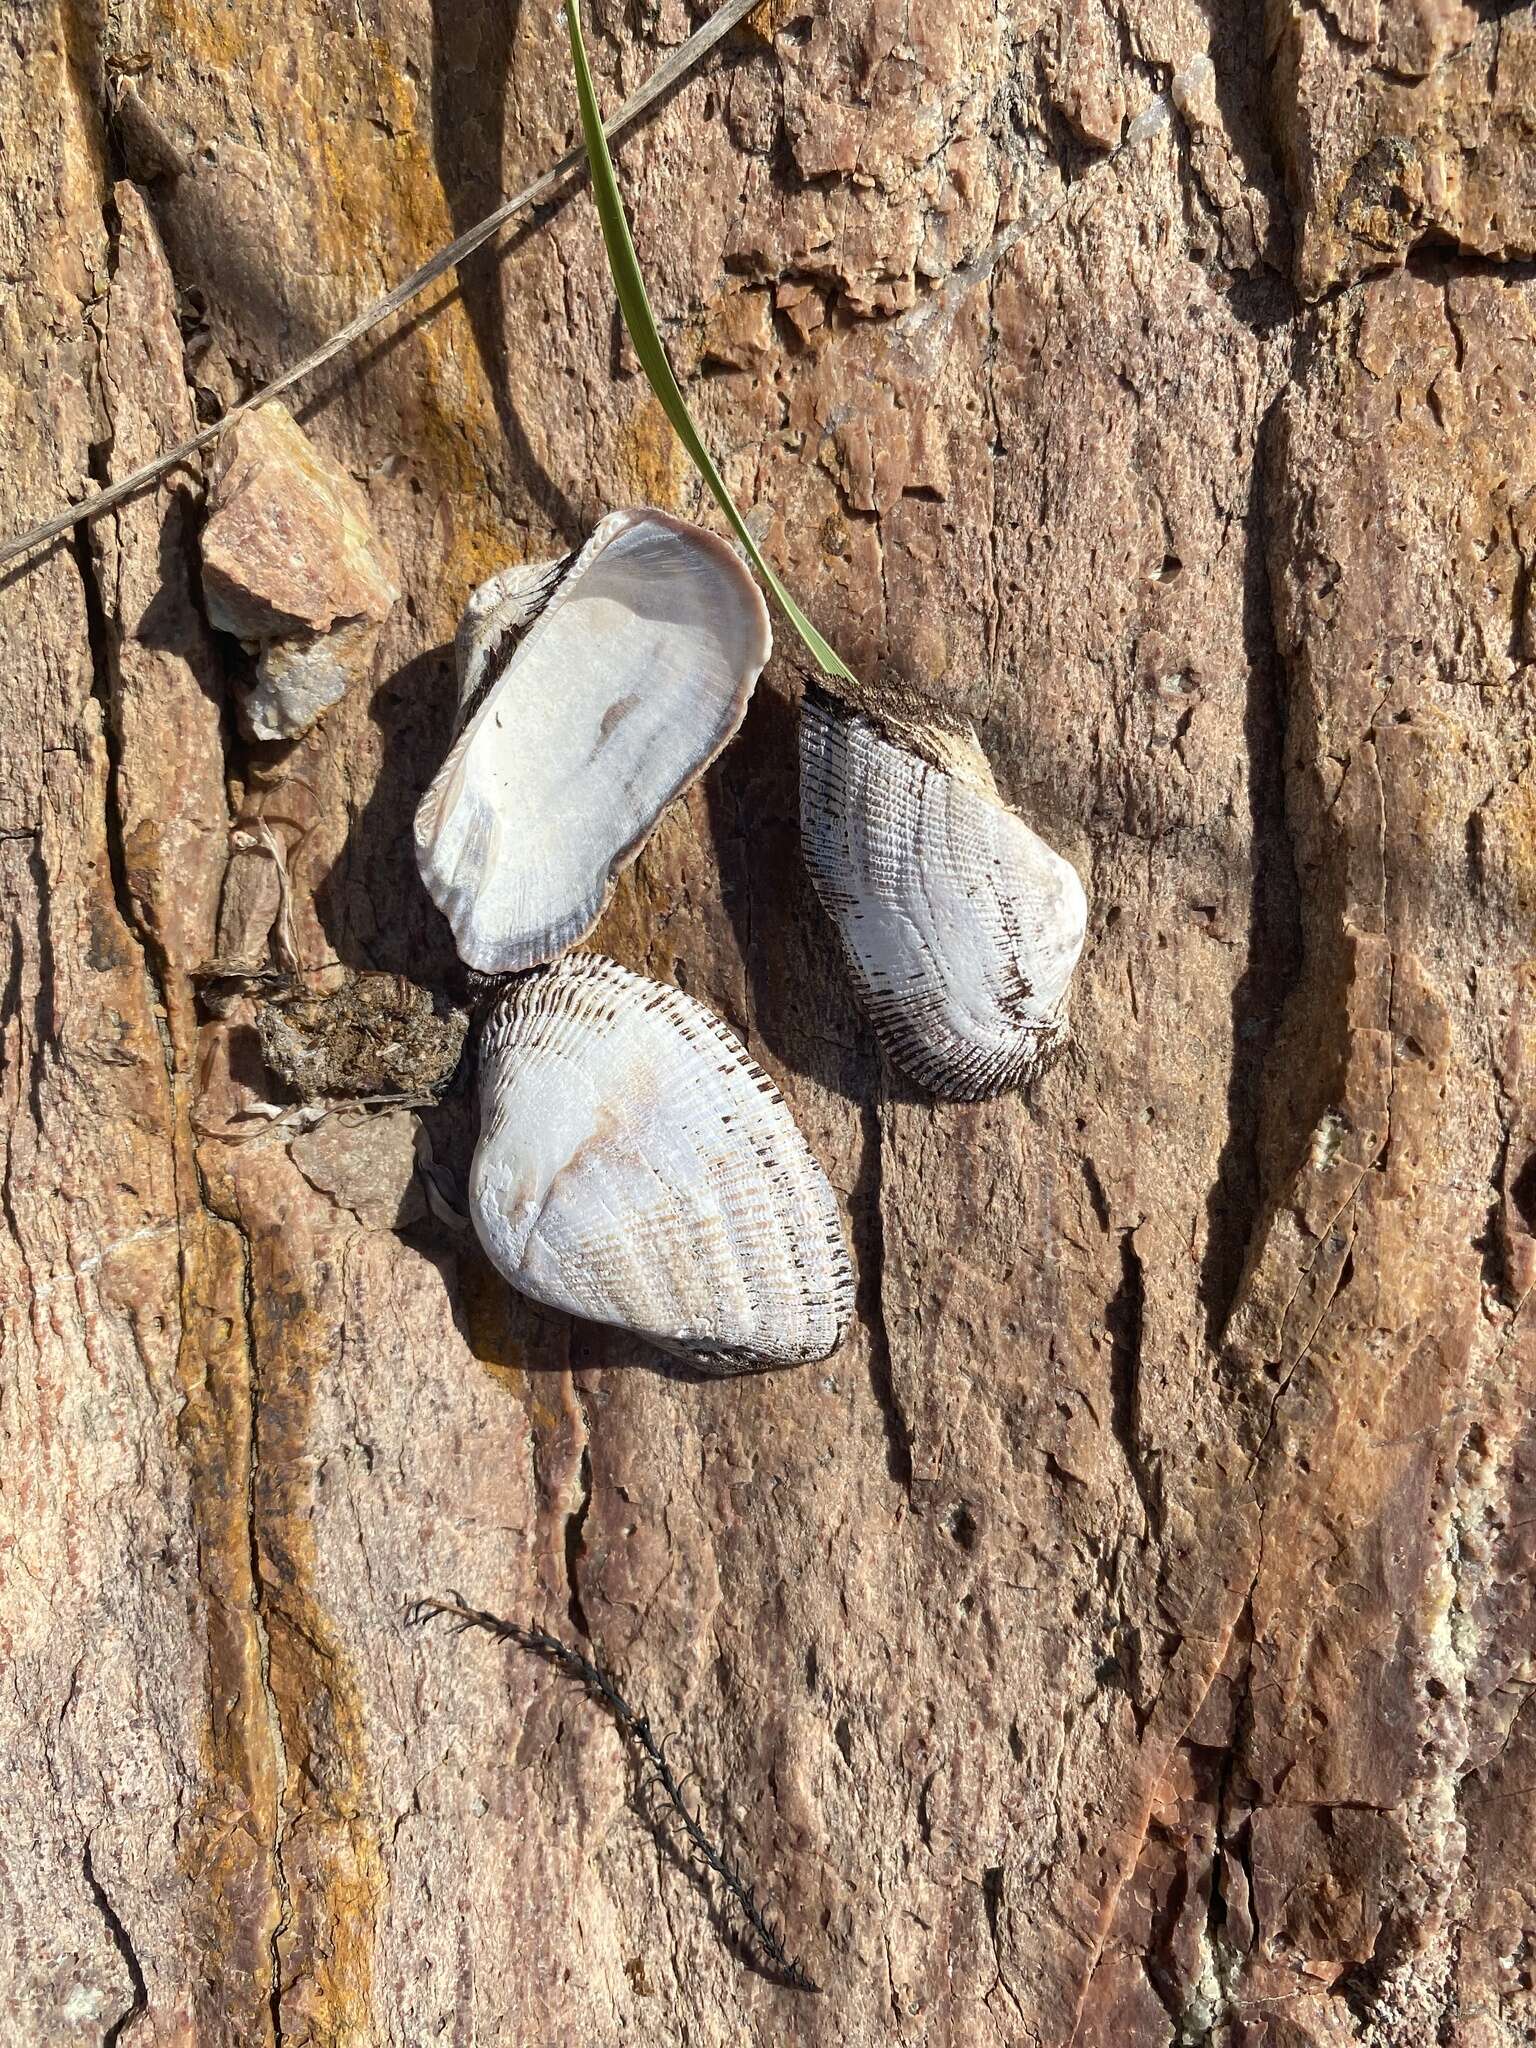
(371, 904)
(803, 1006)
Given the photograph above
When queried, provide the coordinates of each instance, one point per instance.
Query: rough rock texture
(1127, 1639)
(1401, 124)
(292, 568)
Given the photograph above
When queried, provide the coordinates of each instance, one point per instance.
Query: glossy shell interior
(591, 695)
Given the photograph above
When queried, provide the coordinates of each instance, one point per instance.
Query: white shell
(637, 1167)
(961, 928)
(579, 728)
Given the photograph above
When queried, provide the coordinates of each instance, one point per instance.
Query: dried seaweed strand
(636, 1728)
(682, 60)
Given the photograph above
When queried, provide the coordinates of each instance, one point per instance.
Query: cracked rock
(293, 568)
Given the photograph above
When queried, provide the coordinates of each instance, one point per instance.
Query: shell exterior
(961, 927)
(637, 1167)
(591, 694)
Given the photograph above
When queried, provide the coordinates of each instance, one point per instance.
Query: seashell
(637, 1167)
(960, 926)
(592, 692)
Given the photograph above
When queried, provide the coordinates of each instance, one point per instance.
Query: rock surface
(1405, 124)
(1127, 1639)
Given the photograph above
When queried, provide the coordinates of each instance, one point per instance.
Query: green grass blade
(638, 318)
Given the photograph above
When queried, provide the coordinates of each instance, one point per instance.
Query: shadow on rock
(803, 1008)
(372, 904)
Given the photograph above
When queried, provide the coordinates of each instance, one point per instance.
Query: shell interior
(961, 927)
(590, 698)
(637, 1167)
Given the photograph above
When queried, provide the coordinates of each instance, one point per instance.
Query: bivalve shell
(637, 1167)
(591, 694)
(960, 926)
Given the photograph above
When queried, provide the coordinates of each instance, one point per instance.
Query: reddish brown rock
(1127, 1637)
(292, 567)
(1404, 125)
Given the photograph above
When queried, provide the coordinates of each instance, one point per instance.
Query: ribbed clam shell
(591, 695)
(637, 1167)
(961, 927)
